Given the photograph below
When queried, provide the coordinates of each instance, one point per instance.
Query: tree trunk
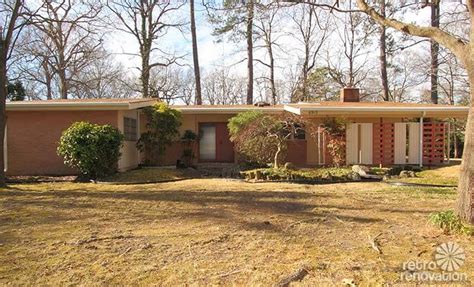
(465, 202)
(434, 52)
(63, 89)
(277, 154)
(249, 35)
(145, 74)
(272, 78)
(3, 97)
(197, 72)
(383, 56)
(48, 80)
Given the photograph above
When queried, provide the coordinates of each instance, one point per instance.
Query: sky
(214, 54)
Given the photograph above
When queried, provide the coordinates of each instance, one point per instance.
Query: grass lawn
(446, 175)
(203, 232)
(151, 175)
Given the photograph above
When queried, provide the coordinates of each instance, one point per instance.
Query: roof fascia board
(222, 110)
(384, 109)
(294, 110)
(75, 106)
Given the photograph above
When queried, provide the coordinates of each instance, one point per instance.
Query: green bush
(450, 223)
(93, 149)
(162, 126)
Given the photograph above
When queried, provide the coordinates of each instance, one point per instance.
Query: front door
(214, 144)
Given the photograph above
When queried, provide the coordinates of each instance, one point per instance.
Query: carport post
(449, 142)
(421, 139)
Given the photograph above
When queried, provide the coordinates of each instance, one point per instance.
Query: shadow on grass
(231, 206)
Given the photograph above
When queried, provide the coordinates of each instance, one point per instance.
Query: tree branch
(454, 44)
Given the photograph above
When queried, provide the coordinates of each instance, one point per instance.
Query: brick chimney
(350, 95)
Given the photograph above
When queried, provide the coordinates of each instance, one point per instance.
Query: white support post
(319, 145)
(421, 139)
(449, 142)
(324, 148)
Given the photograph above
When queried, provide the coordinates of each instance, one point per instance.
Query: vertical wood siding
(366, 143)
(413, 143)
(400, 145)
(352, 142)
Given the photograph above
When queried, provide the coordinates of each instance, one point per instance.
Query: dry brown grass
(216, 232)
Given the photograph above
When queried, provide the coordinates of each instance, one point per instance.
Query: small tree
(262, 138)
(93, 149)
(162, 126)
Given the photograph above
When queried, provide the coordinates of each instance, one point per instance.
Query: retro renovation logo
(448, 259)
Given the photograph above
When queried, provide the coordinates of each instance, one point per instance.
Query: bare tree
(313, 29)
(351, 66)
(103, 78)
(435, 19)
(197, 71)
(265, 27)
(222, 88)
(12, 22)
(70, 33)
(383, 55)
(147, 21)
(33, 64)
(406, 72)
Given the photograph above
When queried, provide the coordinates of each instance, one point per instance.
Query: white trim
(294, 110)
(421, 140)
(378, 109)
(226, 110)
(72, 105)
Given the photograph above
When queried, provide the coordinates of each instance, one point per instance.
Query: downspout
(139, 154)
(421, 138)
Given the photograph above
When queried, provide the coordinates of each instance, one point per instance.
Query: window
(299, 133)
(130, 129)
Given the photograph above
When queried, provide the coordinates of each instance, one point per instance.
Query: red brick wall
(297, 152)
(433, 143)
(32, 139)
(383, 143)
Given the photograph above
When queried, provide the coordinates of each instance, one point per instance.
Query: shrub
(93, 149)
(262, 138)
(450, 223)
(162, 126)
(188, 139)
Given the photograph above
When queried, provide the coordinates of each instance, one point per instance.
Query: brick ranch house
(377, 133)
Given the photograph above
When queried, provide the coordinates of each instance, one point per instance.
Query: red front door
(224, 147)
(215, 140)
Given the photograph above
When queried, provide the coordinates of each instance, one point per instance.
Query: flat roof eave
(76, 106)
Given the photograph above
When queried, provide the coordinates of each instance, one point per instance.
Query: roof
(80, 104)
(226, 109)
(376, 109)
